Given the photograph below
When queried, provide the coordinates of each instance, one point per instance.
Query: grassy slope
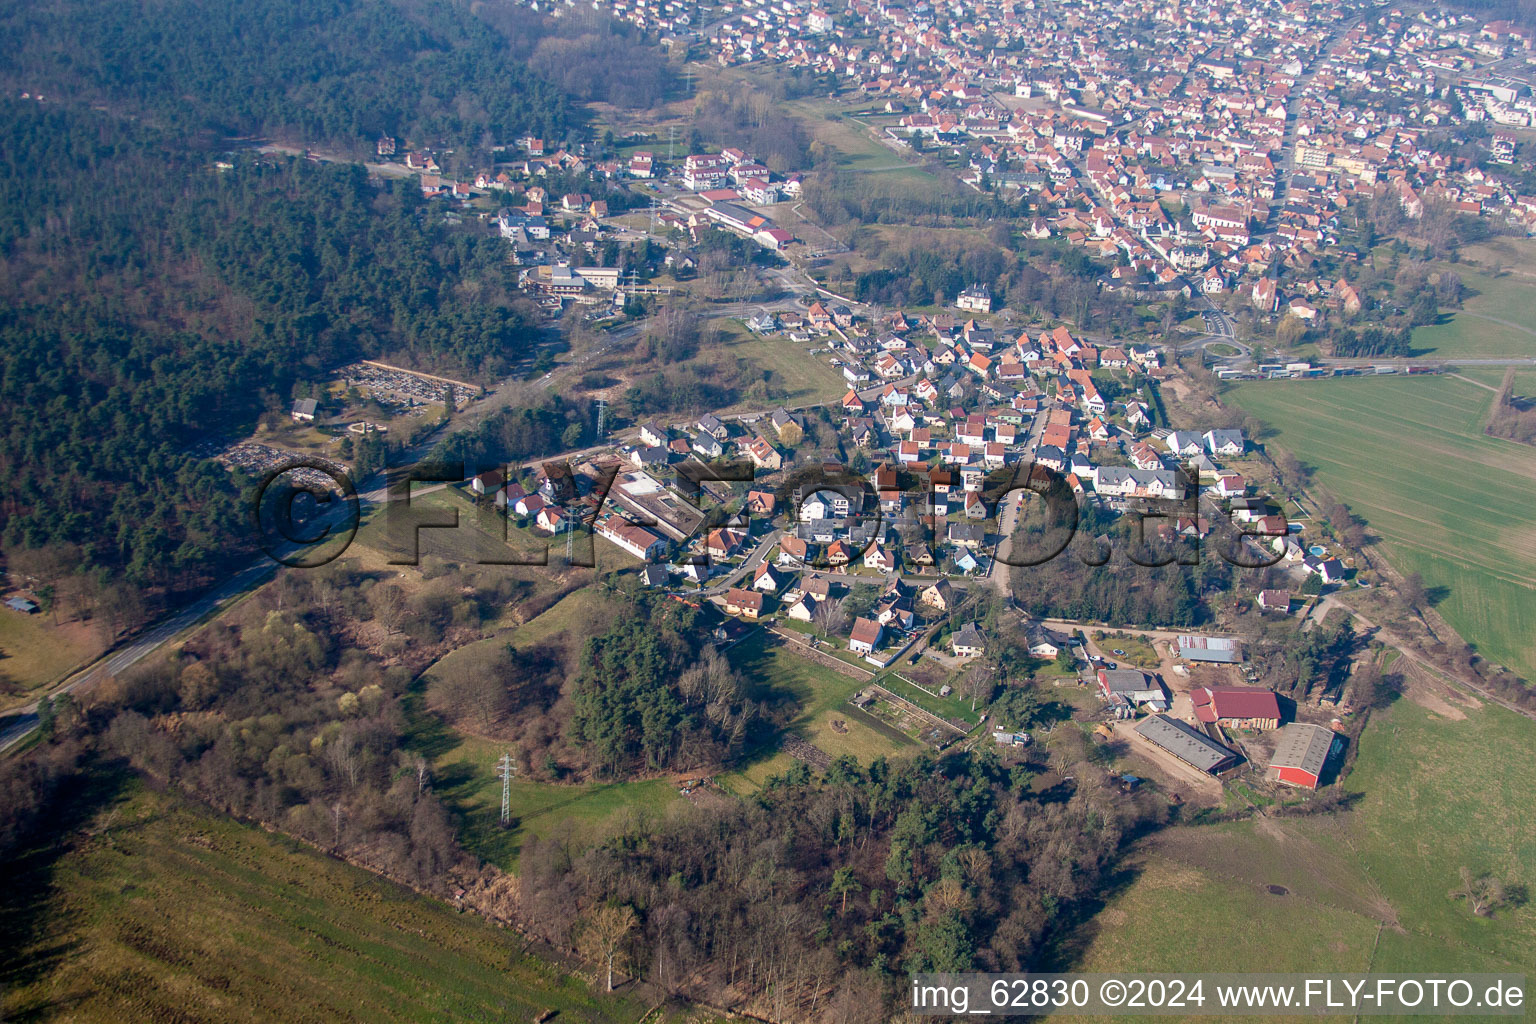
(180, 914)
(1475, 330)
(1428, 805)
(793, 378)
(823, 697)
(1409, 456)
(34, 653)
(464, 766)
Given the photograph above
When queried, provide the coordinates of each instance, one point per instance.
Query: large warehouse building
(1301, 754)
(1187, 743)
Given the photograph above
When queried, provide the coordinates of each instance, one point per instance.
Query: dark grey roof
(1186, 743)
(1126, 680)
(969, 636)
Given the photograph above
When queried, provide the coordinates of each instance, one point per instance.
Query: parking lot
(404, 385)
(257, 460)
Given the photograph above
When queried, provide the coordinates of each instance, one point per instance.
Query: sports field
(1439, 788)
(158, 910)
(1408, 455)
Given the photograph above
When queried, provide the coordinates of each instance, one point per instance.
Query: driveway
(1194, 785)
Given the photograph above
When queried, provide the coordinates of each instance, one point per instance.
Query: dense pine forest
(152, 300)
(163, 283)
(329, 72)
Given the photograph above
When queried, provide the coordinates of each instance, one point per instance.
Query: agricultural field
(1363, 890)
(159, 910)
(1408, 455)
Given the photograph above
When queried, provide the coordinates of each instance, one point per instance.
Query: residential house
(746, 603)
(767, 580)
(1275, 600)
(794, 552)
(866, 636)
(939, 596)
(764, 455)
(967, 535)
(803, 610)
(968, 641)
(976, 298)
(486, 482)
(710, 424)
(1224, 442)
(724, 543)
(552, 519)
(880, 558)
(1329, 570)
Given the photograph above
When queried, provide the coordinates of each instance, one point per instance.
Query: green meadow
(1409, 456)
(155, 909)
(1366, 889)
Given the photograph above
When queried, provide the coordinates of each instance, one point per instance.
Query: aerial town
(682, 511)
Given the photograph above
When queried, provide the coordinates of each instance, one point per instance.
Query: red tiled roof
(1212, 703)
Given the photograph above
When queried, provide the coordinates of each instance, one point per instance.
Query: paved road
(145, 644)
(754, 560)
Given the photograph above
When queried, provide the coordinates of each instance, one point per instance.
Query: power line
(505, 771)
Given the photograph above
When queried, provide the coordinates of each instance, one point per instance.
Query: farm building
(636, 540)
(1209, 648)
(1237, 707)
(1187, 743)
(1301, 754)
(1130, 687)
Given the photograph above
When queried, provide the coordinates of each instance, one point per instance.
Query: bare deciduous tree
(1484, 893)
(603, 935)
(389, 604)
(831, 617)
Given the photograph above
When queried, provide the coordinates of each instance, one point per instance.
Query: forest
(812, 898)
(311, 72)
(1371, 341)
(185, 302)
(1108, 573)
